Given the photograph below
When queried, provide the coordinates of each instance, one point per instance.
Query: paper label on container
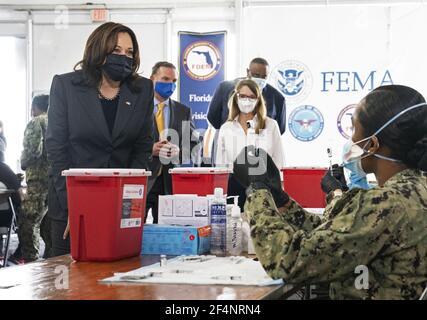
(132, 206)
(133, 191)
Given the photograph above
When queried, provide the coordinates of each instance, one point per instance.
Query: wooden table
(40, 280)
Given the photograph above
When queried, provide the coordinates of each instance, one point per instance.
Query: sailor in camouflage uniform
(34, 162)
(382, 230)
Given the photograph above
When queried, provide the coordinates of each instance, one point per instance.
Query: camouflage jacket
(383, 229)
(34, 157)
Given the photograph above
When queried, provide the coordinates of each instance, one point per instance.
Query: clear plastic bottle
(234, 231)
(218, 223)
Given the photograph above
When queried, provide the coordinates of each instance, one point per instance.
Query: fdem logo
(202, 60)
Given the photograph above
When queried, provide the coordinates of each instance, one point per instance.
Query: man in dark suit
(174, 135)
(257, 71)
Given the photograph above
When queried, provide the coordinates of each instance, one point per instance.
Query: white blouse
(232, 139)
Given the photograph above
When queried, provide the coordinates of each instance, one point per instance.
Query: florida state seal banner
(202, 68)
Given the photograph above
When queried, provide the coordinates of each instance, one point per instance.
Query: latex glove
(338, 173)
(254, 169)
(335, 180)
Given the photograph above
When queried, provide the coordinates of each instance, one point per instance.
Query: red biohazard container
(303, 185)
(106, 209)
(200, 181)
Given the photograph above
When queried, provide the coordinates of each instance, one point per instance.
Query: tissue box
(175, 240)
(184, 210)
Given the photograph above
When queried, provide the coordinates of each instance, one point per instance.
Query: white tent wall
(337, 40)
(57, 47)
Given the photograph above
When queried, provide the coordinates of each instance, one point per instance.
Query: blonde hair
(260, 109)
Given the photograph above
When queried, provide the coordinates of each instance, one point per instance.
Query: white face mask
(246, 105)
(260, 82)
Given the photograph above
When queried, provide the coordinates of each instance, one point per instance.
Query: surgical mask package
(175, 240)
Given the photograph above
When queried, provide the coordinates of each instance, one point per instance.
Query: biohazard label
(133, 205)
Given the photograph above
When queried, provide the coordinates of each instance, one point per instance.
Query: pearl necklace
(109, 99)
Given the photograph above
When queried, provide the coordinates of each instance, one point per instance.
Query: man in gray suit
(174, 135)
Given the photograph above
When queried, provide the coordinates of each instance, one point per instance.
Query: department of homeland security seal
(344, 123)
(293, 79)
(306, 123)
(201, 60)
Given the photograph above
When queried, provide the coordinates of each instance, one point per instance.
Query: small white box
(184, 210)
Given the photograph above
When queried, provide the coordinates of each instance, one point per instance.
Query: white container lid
(79, 172)
(200, 170)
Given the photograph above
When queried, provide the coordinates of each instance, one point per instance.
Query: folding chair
(7, 220)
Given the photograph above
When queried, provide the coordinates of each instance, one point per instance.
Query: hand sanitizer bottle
(218, 223)
(234, 231)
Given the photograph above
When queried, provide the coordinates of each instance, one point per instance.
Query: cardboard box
(184, 210)
(175, 240)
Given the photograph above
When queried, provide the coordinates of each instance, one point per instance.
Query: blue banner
(201, 69)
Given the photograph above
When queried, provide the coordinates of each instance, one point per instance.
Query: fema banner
(201, 69)
(324, 71)
(320, 102)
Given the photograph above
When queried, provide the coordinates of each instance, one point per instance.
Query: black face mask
(117, 67)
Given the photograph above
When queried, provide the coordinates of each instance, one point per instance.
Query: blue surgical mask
(352, 161)
(165, 89)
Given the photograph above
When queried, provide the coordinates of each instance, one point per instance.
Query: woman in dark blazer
(100, 116)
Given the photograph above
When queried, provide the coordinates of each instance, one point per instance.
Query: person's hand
(338, 173)
(333, 180)
(157, 146)
(254, 169)
(169, 150)
(67, 229)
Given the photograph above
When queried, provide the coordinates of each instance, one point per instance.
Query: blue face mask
(165, 89)
(353, 163)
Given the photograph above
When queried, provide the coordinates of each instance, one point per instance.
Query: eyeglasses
(244, 96)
